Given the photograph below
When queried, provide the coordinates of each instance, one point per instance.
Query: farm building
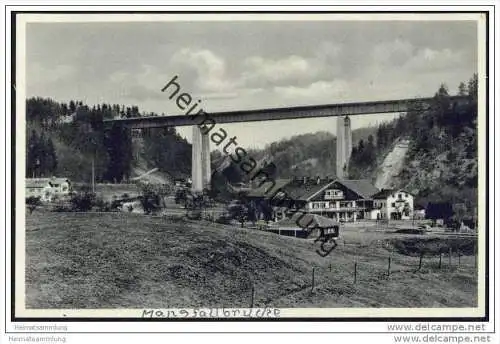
(48, 188)
(299, 224)
(393, 205)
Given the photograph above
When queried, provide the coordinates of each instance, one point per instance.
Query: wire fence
(362, 270)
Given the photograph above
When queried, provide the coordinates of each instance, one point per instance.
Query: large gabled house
(342, 200)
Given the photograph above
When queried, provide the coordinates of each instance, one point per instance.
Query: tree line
(66, 139)
(441, 163)
(41, 158)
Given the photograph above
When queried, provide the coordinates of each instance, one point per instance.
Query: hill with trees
(66, 139)
(441, 163)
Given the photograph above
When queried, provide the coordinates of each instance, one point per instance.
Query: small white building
(393, 205)
(47, 189)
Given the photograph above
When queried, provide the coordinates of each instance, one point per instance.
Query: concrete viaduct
(201, 148)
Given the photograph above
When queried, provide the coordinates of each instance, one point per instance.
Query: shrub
(150, 199)
(102, 205)
(82, 201)
(180, 196)
(32, 202)
(115, 205)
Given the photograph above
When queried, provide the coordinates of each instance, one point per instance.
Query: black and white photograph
(273, 165)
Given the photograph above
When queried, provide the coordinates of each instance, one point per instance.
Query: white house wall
(394, 200)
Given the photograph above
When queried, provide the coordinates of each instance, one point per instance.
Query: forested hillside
(307, 154)
(440, 164)
(442, 161)
(65, 139)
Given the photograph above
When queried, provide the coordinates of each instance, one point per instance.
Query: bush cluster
(32, 202)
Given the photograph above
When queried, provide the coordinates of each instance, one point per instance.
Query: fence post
(389, 267)
(440, 258)
(355, 271)
(458, 252)
(420, 260)
(449, 257)
(312, 287)
(330, 266)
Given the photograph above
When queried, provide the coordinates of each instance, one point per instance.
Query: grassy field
(119, 260)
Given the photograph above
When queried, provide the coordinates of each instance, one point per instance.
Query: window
(280, 194)
(334, 194)
(400, 196)
(393, 204)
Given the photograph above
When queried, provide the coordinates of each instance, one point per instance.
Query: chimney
(304, 180)
(318, 180)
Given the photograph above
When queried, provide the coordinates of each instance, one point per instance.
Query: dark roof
(298, 190)
(307, 220)
(267, 189)
(383, 194)
(362, 187)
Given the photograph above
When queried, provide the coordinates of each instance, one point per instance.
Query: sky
(237, 65)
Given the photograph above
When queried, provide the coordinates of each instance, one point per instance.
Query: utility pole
(93, 176)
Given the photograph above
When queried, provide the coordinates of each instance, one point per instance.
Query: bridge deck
(342, 109)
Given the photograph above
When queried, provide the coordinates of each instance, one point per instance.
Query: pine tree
(32, 156)
(42, 154)
(51, 157)
(462, 89)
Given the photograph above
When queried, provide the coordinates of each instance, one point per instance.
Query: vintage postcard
(279, 166)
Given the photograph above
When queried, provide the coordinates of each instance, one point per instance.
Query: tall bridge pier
(200, 161)
(344, 146)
